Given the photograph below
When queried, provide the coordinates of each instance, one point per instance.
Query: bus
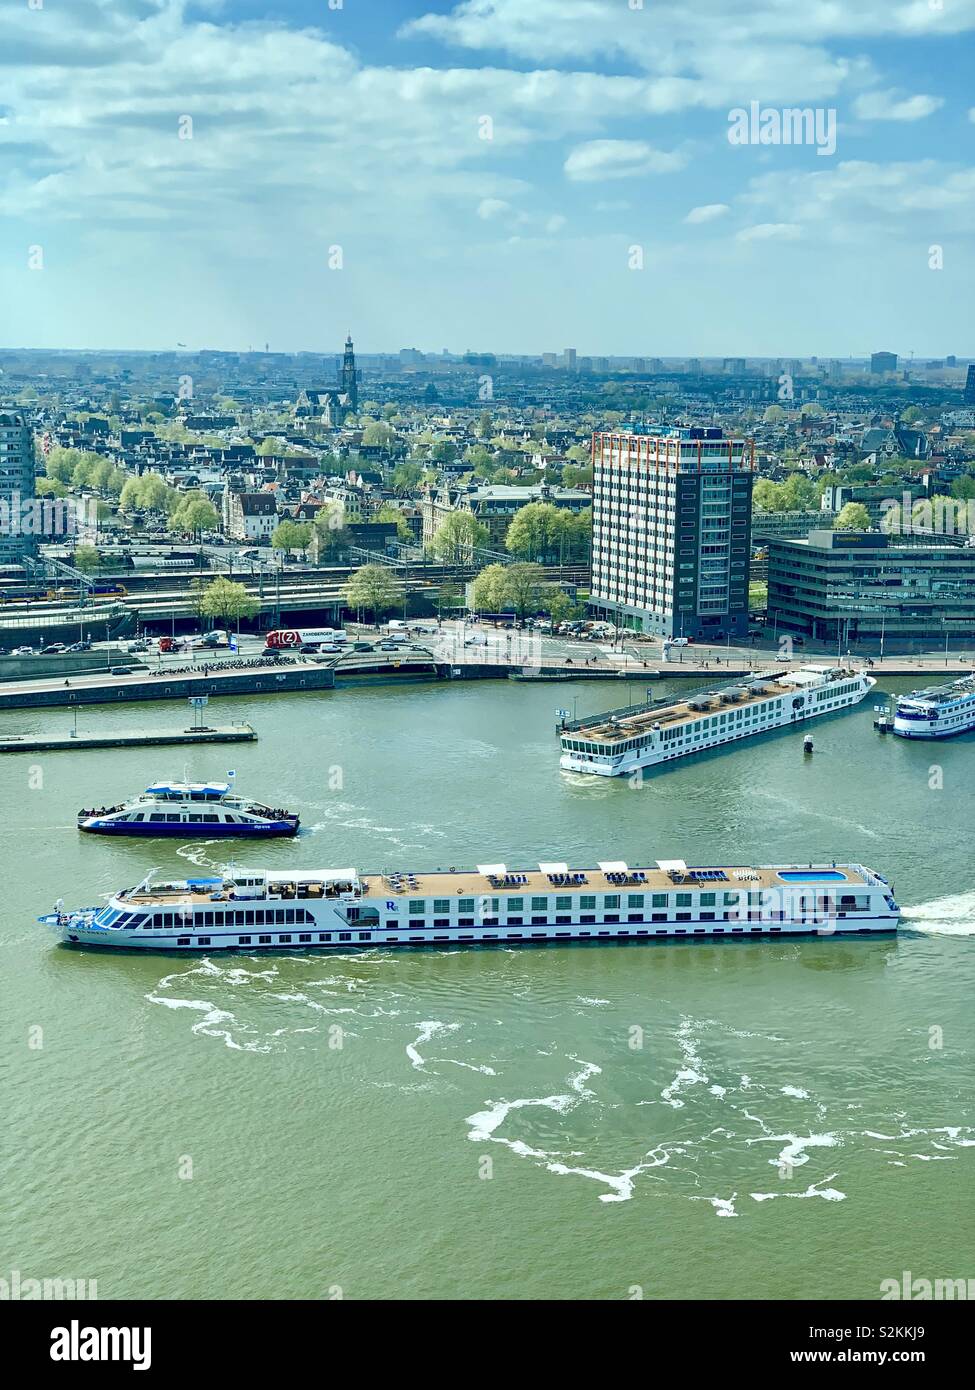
(305, 637)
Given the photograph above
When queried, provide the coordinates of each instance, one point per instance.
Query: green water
(558, 1122)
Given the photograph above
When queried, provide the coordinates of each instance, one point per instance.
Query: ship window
(563, 903)
(634, 900)
(611, 900)
(683, 899)
(539, 904)
(588, 902)
(157, 815)
(441, 904)
(182, 941)
(264, 941)
(324, 936)
(511, 922)
(516, 904)
(707, 899)
(418, 905)
(659, 900)
(731, 899)
(209, 819)
(249, 917)
(441, 921)
(463, 905)
(416, 924)
(539, 921)
(244, 941)
(345, 936)
(203, 941)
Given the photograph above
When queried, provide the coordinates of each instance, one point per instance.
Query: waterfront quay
(147, 738)
(143, 685)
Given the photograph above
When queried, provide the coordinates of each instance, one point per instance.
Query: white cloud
(889, 106)
(618, 159)
(706, 213)
(492, 207)
(770, 231)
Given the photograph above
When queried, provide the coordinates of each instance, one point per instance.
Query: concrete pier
(147, 738)
(116, 690)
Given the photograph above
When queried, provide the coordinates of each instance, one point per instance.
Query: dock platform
(148, 738)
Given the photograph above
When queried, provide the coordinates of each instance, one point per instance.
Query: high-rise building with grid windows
(672, 531)
(16, 486)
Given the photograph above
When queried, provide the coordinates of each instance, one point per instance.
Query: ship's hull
(646, 759)
(191, 831)
(76, 935)
(912, 728)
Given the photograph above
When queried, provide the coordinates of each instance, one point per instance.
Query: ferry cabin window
(708, 899)
(634, 900)
(683, 900)
(659, 900)
(587, 902)
(563, 903)
(418, 905)
(539, 904)
(611, 900)
(463, 905)
(245, 941)
(264, 941)
(516, 904)
(441, 904)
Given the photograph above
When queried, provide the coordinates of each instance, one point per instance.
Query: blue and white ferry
(209, 810)
(292, 909)
(939, 712)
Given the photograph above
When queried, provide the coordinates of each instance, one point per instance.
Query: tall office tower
(550, 359)
(881, 362)
(16, 486)
(969, 396)
(570, 359)
(349, 377)
(671, 531)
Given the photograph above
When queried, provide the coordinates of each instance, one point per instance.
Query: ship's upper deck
(751, 690)
(608, 876)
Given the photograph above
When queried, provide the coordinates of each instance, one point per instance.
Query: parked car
(53, 649)
(678, 642)
(22, 651)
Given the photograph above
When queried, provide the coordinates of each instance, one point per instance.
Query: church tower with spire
(349, 377)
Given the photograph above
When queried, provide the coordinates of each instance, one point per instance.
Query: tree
(373, 589)
(292, 535)
(853, 517)
(458, 535)
(537, 530)
(403, 530)
(227, 599)
(379, 434)
(194, 514)
(490, 589)
(577, 476)
(86, 559)
(330, 535)
(559, 606)
(405, 477)
(525, 587)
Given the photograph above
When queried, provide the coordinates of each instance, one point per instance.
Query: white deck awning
(561, 868)
(492, 870)
(614, 866)
(672, 866)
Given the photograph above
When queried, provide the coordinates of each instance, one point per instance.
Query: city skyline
(225, 174)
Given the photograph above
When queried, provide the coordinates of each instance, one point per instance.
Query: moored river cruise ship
(336, 908)
(623, 741)
(940, 712)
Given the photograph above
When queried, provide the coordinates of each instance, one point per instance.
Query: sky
(495, 175)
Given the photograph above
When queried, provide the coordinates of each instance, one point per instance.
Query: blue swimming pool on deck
(812, 876)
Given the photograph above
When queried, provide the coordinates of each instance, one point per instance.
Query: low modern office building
(671, 531)
(847, 586)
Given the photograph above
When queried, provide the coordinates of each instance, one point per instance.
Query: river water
(776, 1120)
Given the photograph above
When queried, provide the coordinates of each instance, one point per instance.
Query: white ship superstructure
(939, 712)
(623, 741)
(339, 909)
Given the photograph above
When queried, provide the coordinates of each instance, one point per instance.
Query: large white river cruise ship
(247, 911)
(623, 741)
(937, 713)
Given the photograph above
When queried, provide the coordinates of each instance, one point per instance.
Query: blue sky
(489, 174)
